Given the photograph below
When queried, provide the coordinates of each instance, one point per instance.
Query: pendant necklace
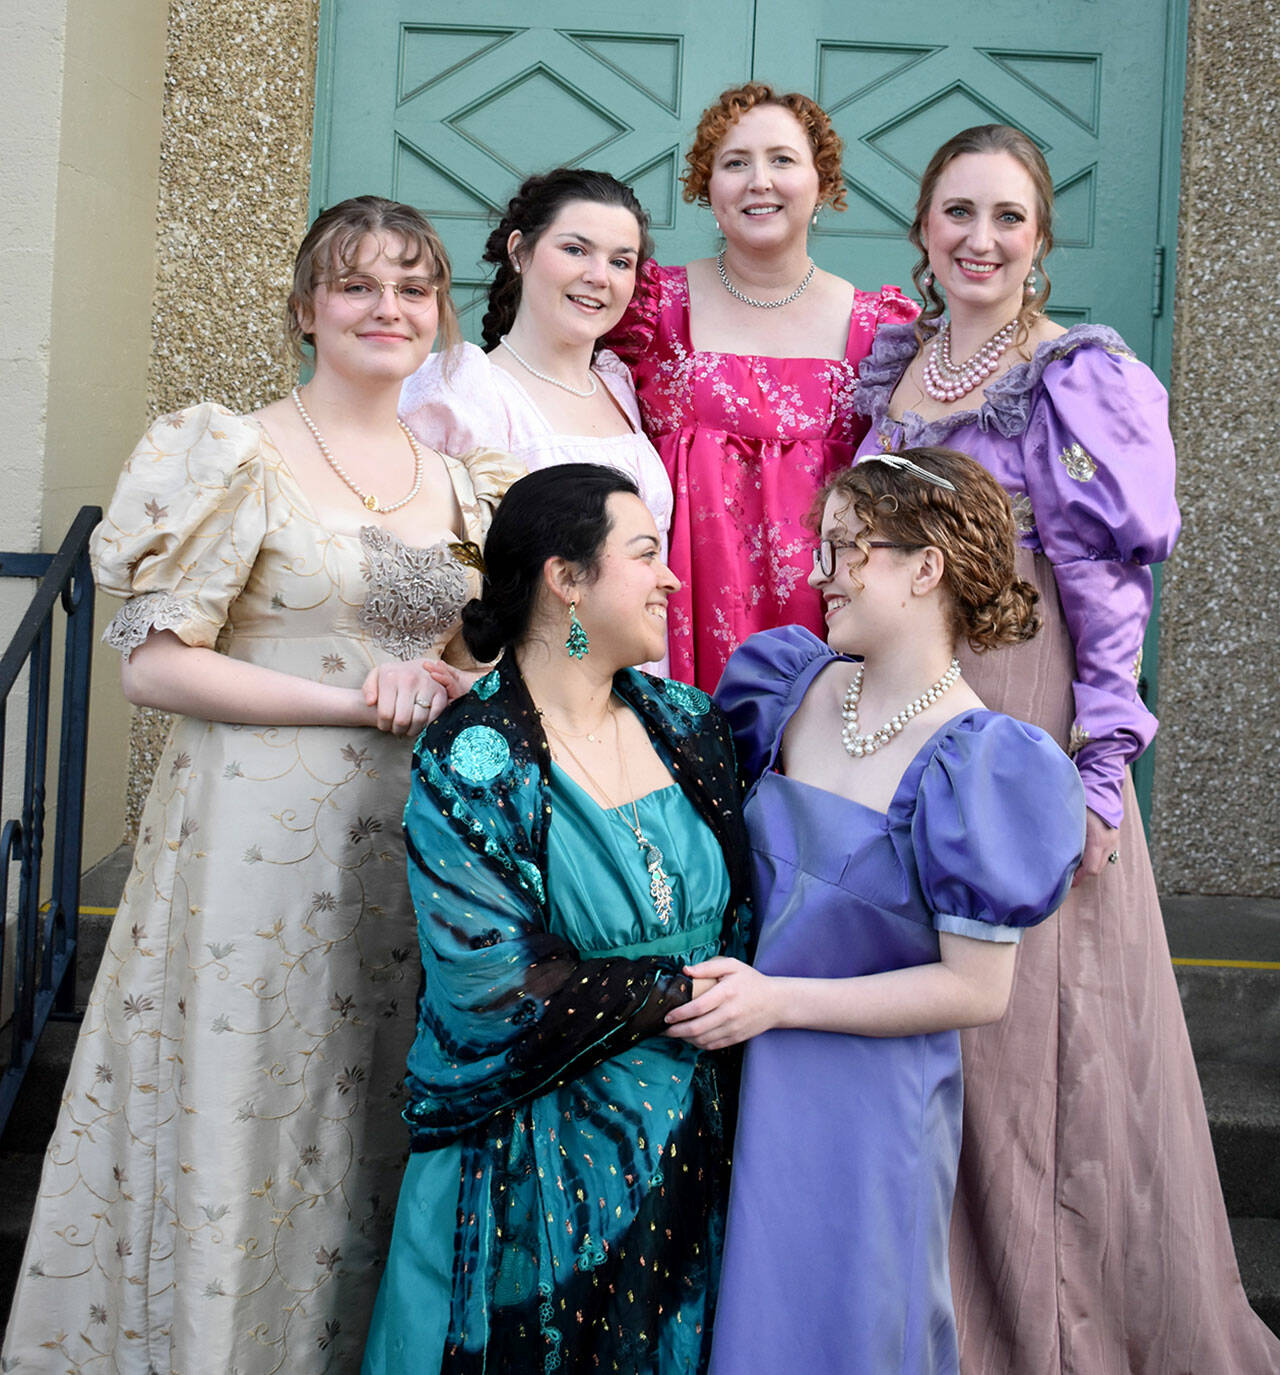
(368, 500)
(858, 745)
(592, 387)
(659, 883)
(751, 300)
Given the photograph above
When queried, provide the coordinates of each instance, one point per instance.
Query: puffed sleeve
(480, 481)
(184, 527)
(452, 403)
(760, 688)
(997, 829)
(1099, 468)
(631, 336)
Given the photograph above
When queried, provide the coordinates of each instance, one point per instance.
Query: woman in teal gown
(574, 839)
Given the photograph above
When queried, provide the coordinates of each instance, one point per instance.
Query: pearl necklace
(751, 300)
(368, 499)
(553, 381)
(947, 381)
(857, 745)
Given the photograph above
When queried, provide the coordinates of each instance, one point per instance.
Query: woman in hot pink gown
(746, 367)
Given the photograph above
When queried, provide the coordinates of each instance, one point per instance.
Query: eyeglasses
(362, 289)
(825, 551)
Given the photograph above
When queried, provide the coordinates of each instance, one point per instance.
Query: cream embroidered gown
(219, 1191)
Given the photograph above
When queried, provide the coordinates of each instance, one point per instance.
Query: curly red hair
(732, 105)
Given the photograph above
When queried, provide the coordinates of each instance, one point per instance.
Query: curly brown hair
(984, 138)
(716, 120)
(332, 245)
(971, 524)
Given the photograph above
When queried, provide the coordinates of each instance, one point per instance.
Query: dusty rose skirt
(1089, 1235)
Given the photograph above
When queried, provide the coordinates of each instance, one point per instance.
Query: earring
(814, 221)
(576, 643)
(1031, 284)
(926, 279)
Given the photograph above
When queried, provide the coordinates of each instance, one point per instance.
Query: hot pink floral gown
(747, 441)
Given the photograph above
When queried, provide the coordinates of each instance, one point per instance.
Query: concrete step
(1242, 1102)
(19, 1181)
(1257, 1243)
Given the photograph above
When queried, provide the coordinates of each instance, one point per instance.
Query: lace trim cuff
(139, 616)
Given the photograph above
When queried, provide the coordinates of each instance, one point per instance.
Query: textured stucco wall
(1217, 801)
(235, 166)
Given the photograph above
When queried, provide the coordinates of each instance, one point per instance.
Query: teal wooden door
(1085, 80)
(448, 104)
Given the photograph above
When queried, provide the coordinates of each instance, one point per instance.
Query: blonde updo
(972, 525)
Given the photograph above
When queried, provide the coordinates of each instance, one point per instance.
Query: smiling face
(624, 608)
(981, 232)
(379, 334)
(764, 184)
(579, 276)
(866, 597)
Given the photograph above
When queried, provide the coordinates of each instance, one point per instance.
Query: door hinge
(1157, 281)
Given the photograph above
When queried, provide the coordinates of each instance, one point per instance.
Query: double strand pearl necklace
(857, 745)
(367, 498)
(751, 300)
(590, 390)
(948, 381)
(659, 882)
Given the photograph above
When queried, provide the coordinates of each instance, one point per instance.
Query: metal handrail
(44, 952)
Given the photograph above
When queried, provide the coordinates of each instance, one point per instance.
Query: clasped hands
(732, 1002)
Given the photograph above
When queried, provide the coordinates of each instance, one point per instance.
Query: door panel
(482, 98)
(1084, 80)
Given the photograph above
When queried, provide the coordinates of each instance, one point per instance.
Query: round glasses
(825, 551)
(363, 289)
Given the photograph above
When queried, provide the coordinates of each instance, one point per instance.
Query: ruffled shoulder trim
(465, 369)
(1007, 405)
(606, 361)
(893, 347)
(632, 336)
(892, 305)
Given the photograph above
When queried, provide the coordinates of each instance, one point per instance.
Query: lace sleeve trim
(139, 616)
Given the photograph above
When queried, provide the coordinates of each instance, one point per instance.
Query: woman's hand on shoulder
(740, 1004)
(404, 697)
(1099, 846)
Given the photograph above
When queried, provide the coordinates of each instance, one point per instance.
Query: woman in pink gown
(746, 366)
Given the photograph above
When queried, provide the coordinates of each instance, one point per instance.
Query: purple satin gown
(845, 1157)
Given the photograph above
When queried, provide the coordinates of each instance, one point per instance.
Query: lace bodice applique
(415, 594)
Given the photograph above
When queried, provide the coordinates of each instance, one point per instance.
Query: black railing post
(43, 970)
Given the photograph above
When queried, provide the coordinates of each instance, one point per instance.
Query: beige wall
(1217, 799)
(100, 341)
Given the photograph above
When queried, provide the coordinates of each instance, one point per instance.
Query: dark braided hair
(538, 201)
(557, 512)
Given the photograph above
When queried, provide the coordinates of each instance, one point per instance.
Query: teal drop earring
(577, 643)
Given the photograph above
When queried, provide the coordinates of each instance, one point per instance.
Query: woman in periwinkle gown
(219, 1189)
(746, 365)
(894, 871)
(1089, 1232)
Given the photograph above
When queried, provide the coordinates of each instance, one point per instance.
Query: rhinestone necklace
(857, 745)
(751, 300)
(948, 381)
(590, 390)
(659, 883)
(367, 498)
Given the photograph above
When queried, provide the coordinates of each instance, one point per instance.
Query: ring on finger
(418, 702)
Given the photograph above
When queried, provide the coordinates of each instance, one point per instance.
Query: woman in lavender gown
(1089, 1232)
(893, 878)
